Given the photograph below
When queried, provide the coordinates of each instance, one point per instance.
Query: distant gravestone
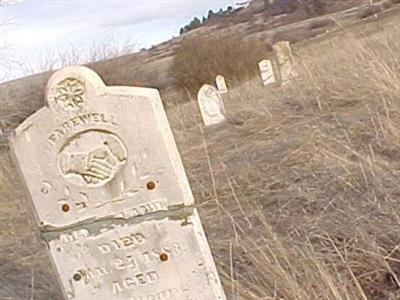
(284, 55)
(111, 195)
(221, 84)
(267, 72)
(211, 106)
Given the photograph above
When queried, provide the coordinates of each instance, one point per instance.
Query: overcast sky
(35, 27)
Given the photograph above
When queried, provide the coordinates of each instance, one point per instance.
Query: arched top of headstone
(267, 72)
(94, 148)
(211, 105)
(74, 89)
(70, 88)
(263, 63)
(207, 90)
(111, 195)
(280, 43)
(221, 84)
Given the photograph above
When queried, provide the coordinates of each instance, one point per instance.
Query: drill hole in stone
(163, 257)
(65, 208)
(151, 185)
(77, 277)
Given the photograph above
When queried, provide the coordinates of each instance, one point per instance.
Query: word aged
(133, 281)
(111, 195)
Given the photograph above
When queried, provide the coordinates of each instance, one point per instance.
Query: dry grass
(25, 271)
(304, 204)
(198, 60)
(296, 35)
(321, 23)
(369, 11)
(298, 192)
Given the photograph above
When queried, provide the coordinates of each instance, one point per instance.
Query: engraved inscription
(128, 241)
(92, 273)
(131, 282)
(167, 294)
(154, 254)
(211, 105)
(128, 263)
(267, 72)
(70, 93)
(74, 236)
(114, 205)
(213, 108)
(92, 158)
(148, 208)
(77, 121)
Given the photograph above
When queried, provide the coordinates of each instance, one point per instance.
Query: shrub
(320, 23)
(369, 11)
(387, 4)
(296, 35)
(197, 60)
(258, 27)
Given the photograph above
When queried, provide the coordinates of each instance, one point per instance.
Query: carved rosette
(70, 94)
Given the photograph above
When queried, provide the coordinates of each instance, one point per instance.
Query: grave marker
(284, 55)
(111, 195)
(221, 84)
(211, 106)
(267, 72)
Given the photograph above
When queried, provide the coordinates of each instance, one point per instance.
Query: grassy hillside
(298, 192)
(306, 175)
(155, 67)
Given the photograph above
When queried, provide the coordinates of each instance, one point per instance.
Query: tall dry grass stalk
(305, 177)
(298, 192)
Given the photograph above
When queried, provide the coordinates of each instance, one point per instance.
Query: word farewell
(84, 119)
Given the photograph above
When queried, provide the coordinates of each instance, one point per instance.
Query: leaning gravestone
(221, 84)
(211, 106)
(111, 195)
(267, 72)
(284, 56)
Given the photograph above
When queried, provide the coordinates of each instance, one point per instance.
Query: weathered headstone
(211, 106)
(286, 63)
(221, 84)
(111, 195)
(267, 72)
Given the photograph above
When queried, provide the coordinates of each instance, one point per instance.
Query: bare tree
(73, 55)
(7, 2)
(7, 59)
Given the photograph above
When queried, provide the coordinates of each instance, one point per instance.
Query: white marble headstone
(286, 63)
(111, 195)
(221, 84)
(211, 106)
(267, 72)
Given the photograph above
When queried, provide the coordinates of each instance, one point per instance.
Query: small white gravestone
(267, 72)
(284, 55)
(111, 195)
(211, 106)
(221, 84)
